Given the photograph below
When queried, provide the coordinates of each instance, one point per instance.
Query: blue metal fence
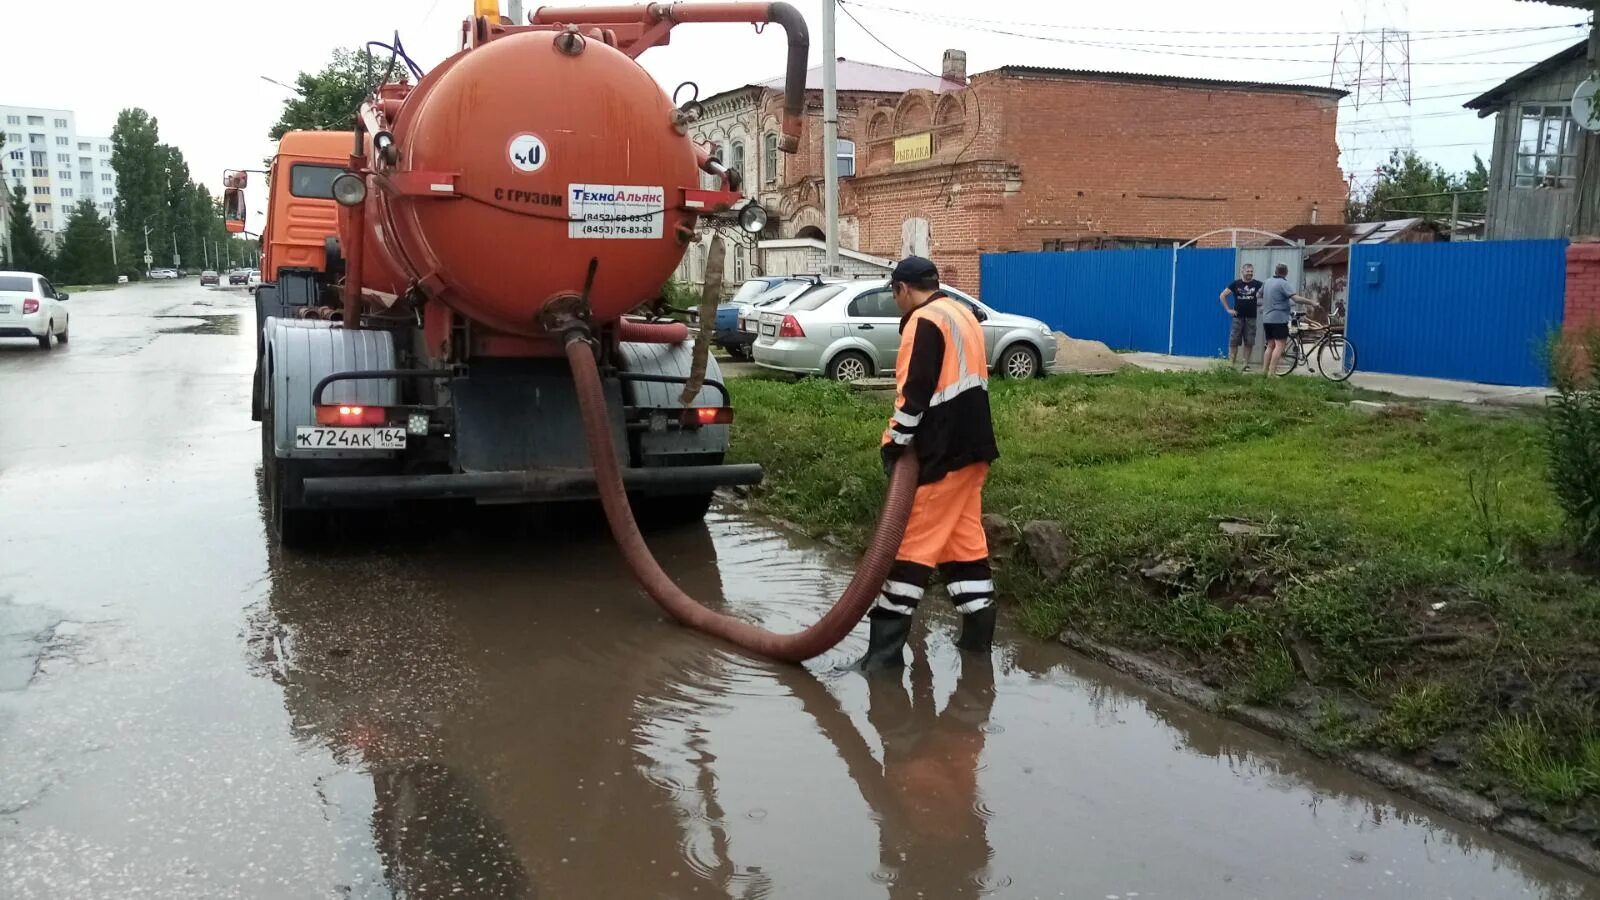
(1479, 311)
(1199, 326)
(1119, 297)
(1476, 311)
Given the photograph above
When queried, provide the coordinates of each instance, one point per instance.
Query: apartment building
(55, 164)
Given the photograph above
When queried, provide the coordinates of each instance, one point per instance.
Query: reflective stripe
(962, 385)
(901, 589)
(962, 588)
(887, 604)
(909, 421)
(974, 605)
(900, 437)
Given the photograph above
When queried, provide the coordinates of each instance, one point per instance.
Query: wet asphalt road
(486, 707)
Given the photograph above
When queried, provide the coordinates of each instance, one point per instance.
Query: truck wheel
(255, 393)
(291, 527)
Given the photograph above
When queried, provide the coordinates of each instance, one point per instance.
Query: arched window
(736, 159)
(846, 151)
(769, 157)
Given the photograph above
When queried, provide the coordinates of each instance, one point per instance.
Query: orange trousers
(946, 523)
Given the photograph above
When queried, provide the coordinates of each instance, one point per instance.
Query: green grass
(1380, 532)
(1527, 752)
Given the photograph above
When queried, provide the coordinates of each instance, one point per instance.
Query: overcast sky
(198, 67)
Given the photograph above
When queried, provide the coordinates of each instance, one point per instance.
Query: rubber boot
(886, 643)
(977, 631)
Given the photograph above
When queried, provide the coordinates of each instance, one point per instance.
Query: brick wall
(1038, 159)
(1583, 287)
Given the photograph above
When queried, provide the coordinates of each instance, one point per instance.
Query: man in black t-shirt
(1245, 290)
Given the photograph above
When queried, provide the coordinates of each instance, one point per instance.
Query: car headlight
(1043, 328)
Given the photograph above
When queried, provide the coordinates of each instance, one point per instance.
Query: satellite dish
(1584, 109)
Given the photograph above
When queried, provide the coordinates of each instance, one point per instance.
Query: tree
(328, 100)
(85, 256)
(29, 252)
(140, 161)
(1406, 175)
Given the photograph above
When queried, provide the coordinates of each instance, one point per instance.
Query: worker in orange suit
(941, 413)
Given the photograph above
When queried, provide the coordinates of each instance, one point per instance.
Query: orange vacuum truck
(447, 292)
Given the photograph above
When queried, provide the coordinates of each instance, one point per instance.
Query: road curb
(1404, 779)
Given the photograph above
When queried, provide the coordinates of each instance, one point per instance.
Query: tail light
(352, 415)
(791, 328)
(30, 305)
(696, 416)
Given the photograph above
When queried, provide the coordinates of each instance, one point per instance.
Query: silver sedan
(851, 330)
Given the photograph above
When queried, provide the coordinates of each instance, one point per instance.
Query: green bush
(1572, 436)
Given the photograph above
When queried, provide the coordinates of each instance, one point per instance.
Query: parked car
(851, 330)
(209, 276)
(239, 276)
(163, 273)
(254, 277)
(774, 299)
(30, 307)
(726, 334)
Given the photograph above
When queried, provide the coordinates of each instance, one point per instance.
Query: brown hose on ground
(813, 641)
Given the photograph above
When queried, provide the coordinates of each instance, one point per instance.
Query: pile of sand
(1085, 357)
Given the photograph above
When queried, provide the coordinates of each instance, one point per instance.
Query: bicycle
(1333, 354)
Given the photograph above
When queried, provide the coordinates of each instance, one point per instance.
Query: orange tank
(557, 159)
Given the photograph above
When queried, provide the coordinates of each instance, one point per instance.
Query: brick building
(1025, 158)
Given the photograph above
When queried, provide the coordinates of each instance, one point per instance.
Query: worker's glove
(891, 454)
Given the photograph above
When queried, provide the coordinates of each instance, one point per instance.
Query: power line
(1164, 31)
(1164, 50)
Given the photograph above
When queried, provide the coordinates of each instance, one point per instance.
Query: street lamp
(288, 87)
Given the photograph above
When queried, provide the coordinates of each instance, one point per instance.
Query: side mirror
(233, 210)
(978, 312)
(61, 296)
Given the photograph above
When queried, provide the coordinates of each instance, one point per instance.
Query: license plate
(308, 437)
(769, 330)
(5, 310)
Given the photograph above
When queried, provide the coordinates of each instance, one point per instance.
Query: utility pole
(830, 140)
(113, 242)
(175, 261)
(514, 12)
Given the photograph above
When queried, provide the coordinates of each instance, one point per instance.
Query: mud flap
(300, 353)
(705, 445)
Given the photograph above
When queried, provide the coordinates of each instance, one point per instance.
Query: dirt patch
(204, 324)
(1085, 357)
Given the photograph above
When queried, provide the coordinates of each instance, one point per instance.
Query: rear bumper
(788, 355)
(529, 486)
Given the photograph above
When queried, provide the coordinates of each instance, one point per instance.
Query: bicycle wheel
(1293, 356)
(1336, 358)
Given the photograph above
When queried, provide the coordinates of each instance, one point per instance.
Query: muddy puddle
(203, 323)
(510, 717)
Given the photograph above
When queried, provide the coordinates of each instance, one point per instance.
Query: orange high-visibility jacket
(942, 399)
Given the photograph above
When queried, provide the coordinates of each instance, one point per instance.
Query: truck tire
(289, 526)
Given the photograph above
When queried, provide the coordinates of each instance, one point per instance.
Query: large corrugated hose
(797, 647)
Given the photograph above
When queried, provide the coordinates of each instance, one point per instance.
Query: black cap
(914, 268)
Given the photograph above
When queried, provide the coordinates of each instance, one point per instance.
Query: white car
(30, 307)
(163, 273)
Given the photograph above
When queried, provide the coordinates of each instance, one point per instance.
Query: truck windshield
(307, 180)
